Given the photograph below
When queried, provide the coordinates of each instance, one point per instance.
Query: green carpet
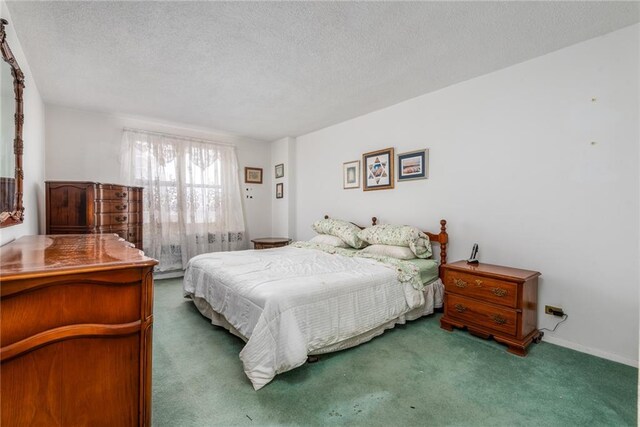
(415, 374)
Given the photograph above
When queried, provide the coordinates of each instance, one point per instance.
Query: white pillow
(398, 252)
(326, 239)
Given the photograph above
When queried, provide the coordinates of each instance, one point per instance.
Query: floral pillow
(398, 235)
(347, 231)
(326, 239)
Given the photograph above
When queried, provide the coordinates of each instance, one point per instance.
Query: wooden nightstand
(270, 242)
(492, 301)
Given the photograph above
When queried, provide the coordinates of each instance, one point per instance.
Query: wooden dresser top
(34, 256)
(492, 270)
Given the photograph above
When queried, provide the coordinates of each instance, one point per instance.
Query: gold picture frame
(378, 170)
(252, 175)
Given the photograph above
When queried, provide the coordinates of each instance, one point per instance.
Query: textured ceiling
(273, 69)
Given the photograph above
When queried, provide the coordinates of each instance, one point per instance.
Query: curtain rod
(174, 136)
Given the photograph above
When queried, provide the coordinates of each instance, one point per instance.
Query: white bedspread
(289, 302)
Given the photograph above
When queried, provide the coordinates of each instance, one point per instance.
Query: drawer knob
(499, 319)
(121, 194)
(460, 308)
(121, 207)
(121, 218)
(499, 292)
(459, 283)
(478, 283)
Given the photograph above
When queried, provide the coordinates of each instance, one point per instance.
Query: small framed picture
(413, 165)
(280, 170)
(378, 170)
(253, 175)
(279, 190)
(351, 174)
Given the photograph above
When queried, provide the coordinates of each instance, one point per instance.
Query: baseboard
(168, 275)
(589, 350)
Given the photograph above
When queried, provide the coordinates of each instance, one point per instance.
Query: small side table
(270, 242)
(492, 301)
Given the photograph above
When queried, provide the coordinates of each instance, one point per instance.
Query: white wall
(33, 136)
(85, 146)
(527, 165)
(283, 210)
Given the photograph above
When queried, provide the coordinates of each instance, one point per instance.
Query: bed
(290, 303)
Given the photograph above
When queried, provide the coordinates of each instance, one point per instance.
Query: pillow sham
(397, 252)
(326, 239)
(398, 235)
(345, 230)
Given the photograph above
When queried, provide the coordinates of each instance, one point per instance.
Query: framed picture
(351, 174)
(413, 165)
(279, 190)
(253, 175)
(280, 170)
(378, 170)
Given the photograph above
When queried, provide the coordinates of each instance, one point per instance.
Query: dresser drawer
(113, 206)
(486, 315)
(117, 218)
(135, 206)
(105, 298)
(112, 193)
(135, 194)
(486, 289)
(134, 234)
(120, 230)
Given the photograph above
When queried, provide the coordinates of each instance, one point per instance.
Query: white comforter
(289, 302)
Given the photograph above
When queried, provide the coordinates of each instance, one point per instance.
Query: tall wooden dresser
(92, 207)
(76, 313)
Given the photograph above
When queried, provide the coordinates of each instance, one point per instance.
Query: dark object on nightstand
(270, 242)
(492, 301)
(473, 259)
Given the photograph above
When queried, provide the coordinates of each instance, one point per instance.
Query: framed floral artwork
(253, 175)
(351, 174)
(413, 165)
(378, 170)
(279, 190)
(280, 170)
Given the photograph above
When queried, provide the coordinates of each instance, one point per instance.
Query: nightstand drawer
(486, 289)
(486, 315)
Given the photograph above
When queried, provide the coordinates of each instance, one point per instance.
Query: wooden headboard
(442, 238)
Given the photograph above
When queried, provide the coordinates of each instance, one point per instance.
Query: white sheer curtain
(192, 195)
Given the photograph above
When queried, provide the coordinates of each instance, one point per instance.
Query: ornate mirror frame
(17, 215)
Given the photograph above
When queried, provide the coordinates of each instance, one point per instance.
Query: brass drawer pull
(460, 308)
(459, 283)
(121, 207)
(499, 292)
(121, 218)
(499, 319)
(478, 283)
(121, 194)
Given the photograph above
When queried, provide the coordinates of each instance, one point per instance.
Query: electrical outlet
(556, 311)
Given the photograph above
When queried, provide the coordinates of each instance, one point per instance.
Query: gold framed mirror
(11, 146)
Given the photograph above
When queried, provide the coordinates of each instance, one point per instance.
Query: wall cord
(564, 317)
